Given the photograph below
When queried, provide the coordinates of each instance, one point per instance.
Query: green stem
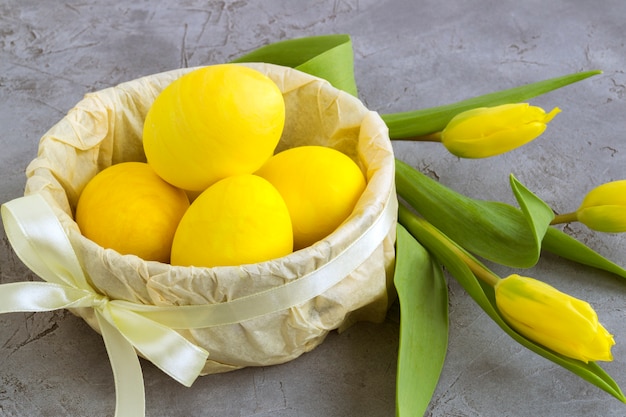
(431, 137)
(565, 218)
(426, 232)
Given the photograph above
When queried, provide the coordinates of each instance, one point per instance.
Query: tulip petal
(604, 208)
(490, 131)
(607, 219)
(495, 143)
(553, 319)
(610, 193)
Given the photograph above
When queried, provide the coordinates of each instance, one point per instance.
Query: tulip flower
(553, 319)
(490, 131)
(603, 209)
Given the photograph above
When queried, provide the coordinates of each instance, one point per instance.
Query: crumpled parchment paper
(105, 128)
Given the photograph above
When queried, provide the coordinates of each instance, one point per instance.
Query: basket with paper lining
(265, 313)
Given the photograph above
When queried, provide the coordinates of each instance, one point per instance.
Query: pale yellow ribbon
(39, 240)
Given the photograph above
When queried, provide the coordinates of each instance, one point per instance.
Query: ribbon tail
(29, 296)
(164, 347)
(129, 387)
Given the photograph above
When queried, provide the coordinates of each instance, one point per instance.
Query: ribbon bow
(40, 241)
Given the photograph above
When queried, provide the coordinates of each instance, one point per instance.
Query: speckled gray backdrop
(408, 54)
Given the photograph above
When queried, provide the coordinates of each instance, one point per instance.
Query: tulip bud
(604, 208)
(553, 319)
(490, 131)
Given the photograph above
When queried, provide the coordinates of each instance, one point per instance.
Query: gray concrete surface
(408, 54)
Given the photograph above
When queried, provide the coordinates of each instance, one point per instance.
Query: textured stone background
(409, 54)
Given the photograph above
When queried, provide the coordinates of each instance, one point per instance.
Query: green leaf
(425, 121)
(329, 57)
(537, 213)
(562, 244)
(493, 230)
(423, 297)
(452, 257)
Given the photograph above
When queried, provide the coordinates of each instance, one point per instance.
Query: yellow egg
(129, 208)
(238, 220)
(320, 186)
(211, 123)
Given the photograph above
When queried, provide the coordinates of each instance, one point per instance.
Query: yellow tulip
(604, 208)
(553, 319)
(490, 131)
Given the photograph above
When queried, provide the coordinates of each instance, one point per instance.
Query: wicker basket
(105, 128)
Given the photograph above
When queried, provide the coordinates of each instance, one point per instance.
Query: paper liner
(105, 128)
